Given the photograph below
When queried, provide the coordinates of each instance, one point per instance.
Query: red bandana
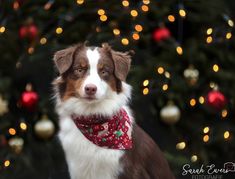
(112, 132)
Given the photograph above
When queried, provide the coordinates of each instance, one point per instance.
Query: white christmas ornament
(191, 74)
(44, 128)
(170, 114)
(16, 144)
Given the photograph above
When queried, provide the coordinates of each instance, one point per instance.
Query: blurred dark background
(182, 75)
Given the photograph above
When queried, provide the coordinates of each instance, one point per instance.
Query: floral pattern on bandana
(112, 132)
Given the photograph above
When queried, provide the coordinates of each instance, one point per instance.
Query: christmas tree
(182, 74)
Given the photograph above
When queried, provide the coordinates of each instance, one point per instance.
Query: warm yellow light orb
(135, 36)
(23, 126)
(179, 50)
(7, 163)
(192, 102)
(138, 28)
(201, 99)
(145, 8)
(43, 40)
(182, 12)
(80, 2)
(209, 31)
(145, 91)
(125, 3)
(164, 87)
(180, 145)
(209, 39)
(101, 12)
(145, 82)
(59, 30)
(146, 1)
(12, 131)
(103, 18)
(224, 113)
(226, 134)
(230, 23)
(125, 41)
(167, 74)
(206, 138)
(160, 70)
(171, 18)
(229, 35)
(194, 158)
(30, 50)
(116, 31)
(206, 130)
(215, 68)
(2, 29)
(134, 13)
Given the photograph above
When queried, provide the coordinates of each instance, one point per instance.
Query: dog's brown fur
(144, 160)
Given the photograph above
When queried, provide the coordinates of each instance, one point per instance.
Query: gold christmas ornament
(3, 106)
(44, 128)
(16, 144)
(170, 114)
(191, 75)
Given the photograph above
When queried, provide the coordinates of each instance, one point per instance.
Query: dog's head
(91, 74)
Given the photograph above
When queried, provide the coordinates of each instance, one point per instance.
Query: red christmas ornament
(33, 31)
(23, 32)
(28, 31)
(161, 33)
(29, 98)
(216, 99)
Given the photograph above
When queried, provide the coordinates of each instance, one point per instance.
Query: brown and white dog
(90, 92)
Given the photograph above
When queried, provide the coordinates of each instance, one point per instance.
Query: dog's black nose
(90, 89)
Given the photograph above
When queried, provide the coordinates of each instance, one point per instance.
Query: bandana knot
(113, 132)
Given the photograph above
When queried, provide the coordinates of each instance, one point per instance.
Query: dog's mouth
(90, 98)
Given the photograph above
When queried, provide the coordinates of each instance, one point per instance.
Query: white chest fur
(86, 160)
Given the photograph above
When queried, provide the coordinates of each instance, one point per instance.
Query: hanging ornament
(29, 98)
(3, 106)
(170, 114)
(191, 75)
(33, 31)
(23, 32)
(216, 99)
(29, 30)
(16, 144)
(44, 128)
(161, 33)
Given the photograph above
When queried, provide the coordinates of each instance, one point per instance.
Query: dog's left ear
(122, 63)
(121, 60)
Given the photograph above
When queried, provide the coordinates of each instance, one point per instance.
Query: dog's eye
(104, 72)
(79, 71)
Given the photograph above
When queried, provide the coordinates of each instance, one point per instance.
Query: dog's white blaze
(93, 57)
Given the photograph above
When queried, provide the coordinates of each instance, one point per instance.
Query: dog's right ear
(64, 58)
